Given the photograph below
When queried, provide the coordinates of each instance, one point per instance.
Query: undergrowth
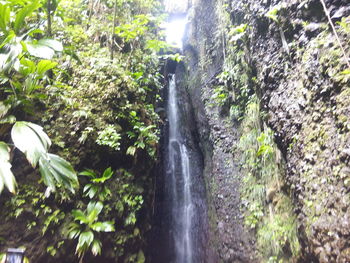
(267, 208)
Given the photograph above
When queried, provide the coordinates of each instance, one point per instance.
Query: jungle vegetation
(78, 127)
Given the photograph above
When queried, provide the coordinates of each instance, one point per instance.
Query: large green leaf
(74, 230)
(45, 65)
(27, 67)
(6, 176)
(23, 13)
(96, 247)
(8, 119)
(107, 174)
(12, 50)
(4, 17)
(51, 43)
(10, 38)
(89, 173)
(40, 51)
(55, 169)
(85, 240)
(79, 216)
(44, 48)
(90, 190)
(106, 226)
(30, 139)
(93, 210)
(3, 109)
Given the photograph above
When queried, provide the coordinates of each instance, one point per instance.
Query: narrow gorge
(267, 82)
(192, 131)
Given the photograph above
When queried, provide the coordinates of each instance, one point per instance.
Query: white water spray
(180, 181)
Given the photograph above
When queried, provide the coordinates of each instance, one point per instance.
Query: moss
(268, 209)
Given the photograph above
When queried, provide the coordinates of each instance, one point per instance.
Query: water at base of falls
(183, 210)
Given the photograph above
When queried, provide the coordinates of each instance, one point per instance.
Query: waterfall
(180, 229)
(179, 178)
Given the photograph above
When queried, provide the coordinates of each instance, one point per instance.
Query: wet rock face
(296, 61)
(307, 108)
(228, 236)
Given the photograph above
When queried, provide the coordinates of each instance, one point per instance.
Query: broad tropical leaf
(30, 139)
(10, 58)
(106, 226)
(80, 216)
(45, 65)
(51, 43)
(85, 240)
(8, 119)
(3, 109)
(54, 169)
(93, 210)
(40, 51)
(6, 176)
(4, 17)
(107, 174)
(27, 67)
(96, 247)
(90, 190)
(23, 13)
(44, 48)
(89, 173)
(73, 230)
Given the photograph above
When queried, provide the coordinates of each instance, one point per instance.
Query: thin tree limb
(335, 33)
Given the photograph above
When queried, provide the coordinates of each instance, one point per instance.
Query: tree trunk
(113, 28)
(49, 31)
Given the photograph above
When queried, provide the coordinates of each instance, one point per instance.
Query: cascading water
(181, 205)
(180, 182)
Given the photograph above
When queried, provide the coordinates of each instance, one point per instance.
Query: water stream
(179, 175)
(181, 213)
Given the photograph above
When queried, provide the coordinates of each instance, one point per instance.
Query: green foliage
(21, 77)
(86, 227)
(52, 250)
(176, 57)
(156, 45)
(53, 218)
(273, 12)
(345, 24)
(30, 139)
(136, 28)
(18, 38)
(236, 74)
(109, 137)
(267, 209)
(279, 233)
(343, 76)
(44, 48)
(220, 95)
(6, 176)
(34, 143)
(97, 186)
(146, 136)
(54, 170)
(236, 33)
(82, 98)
